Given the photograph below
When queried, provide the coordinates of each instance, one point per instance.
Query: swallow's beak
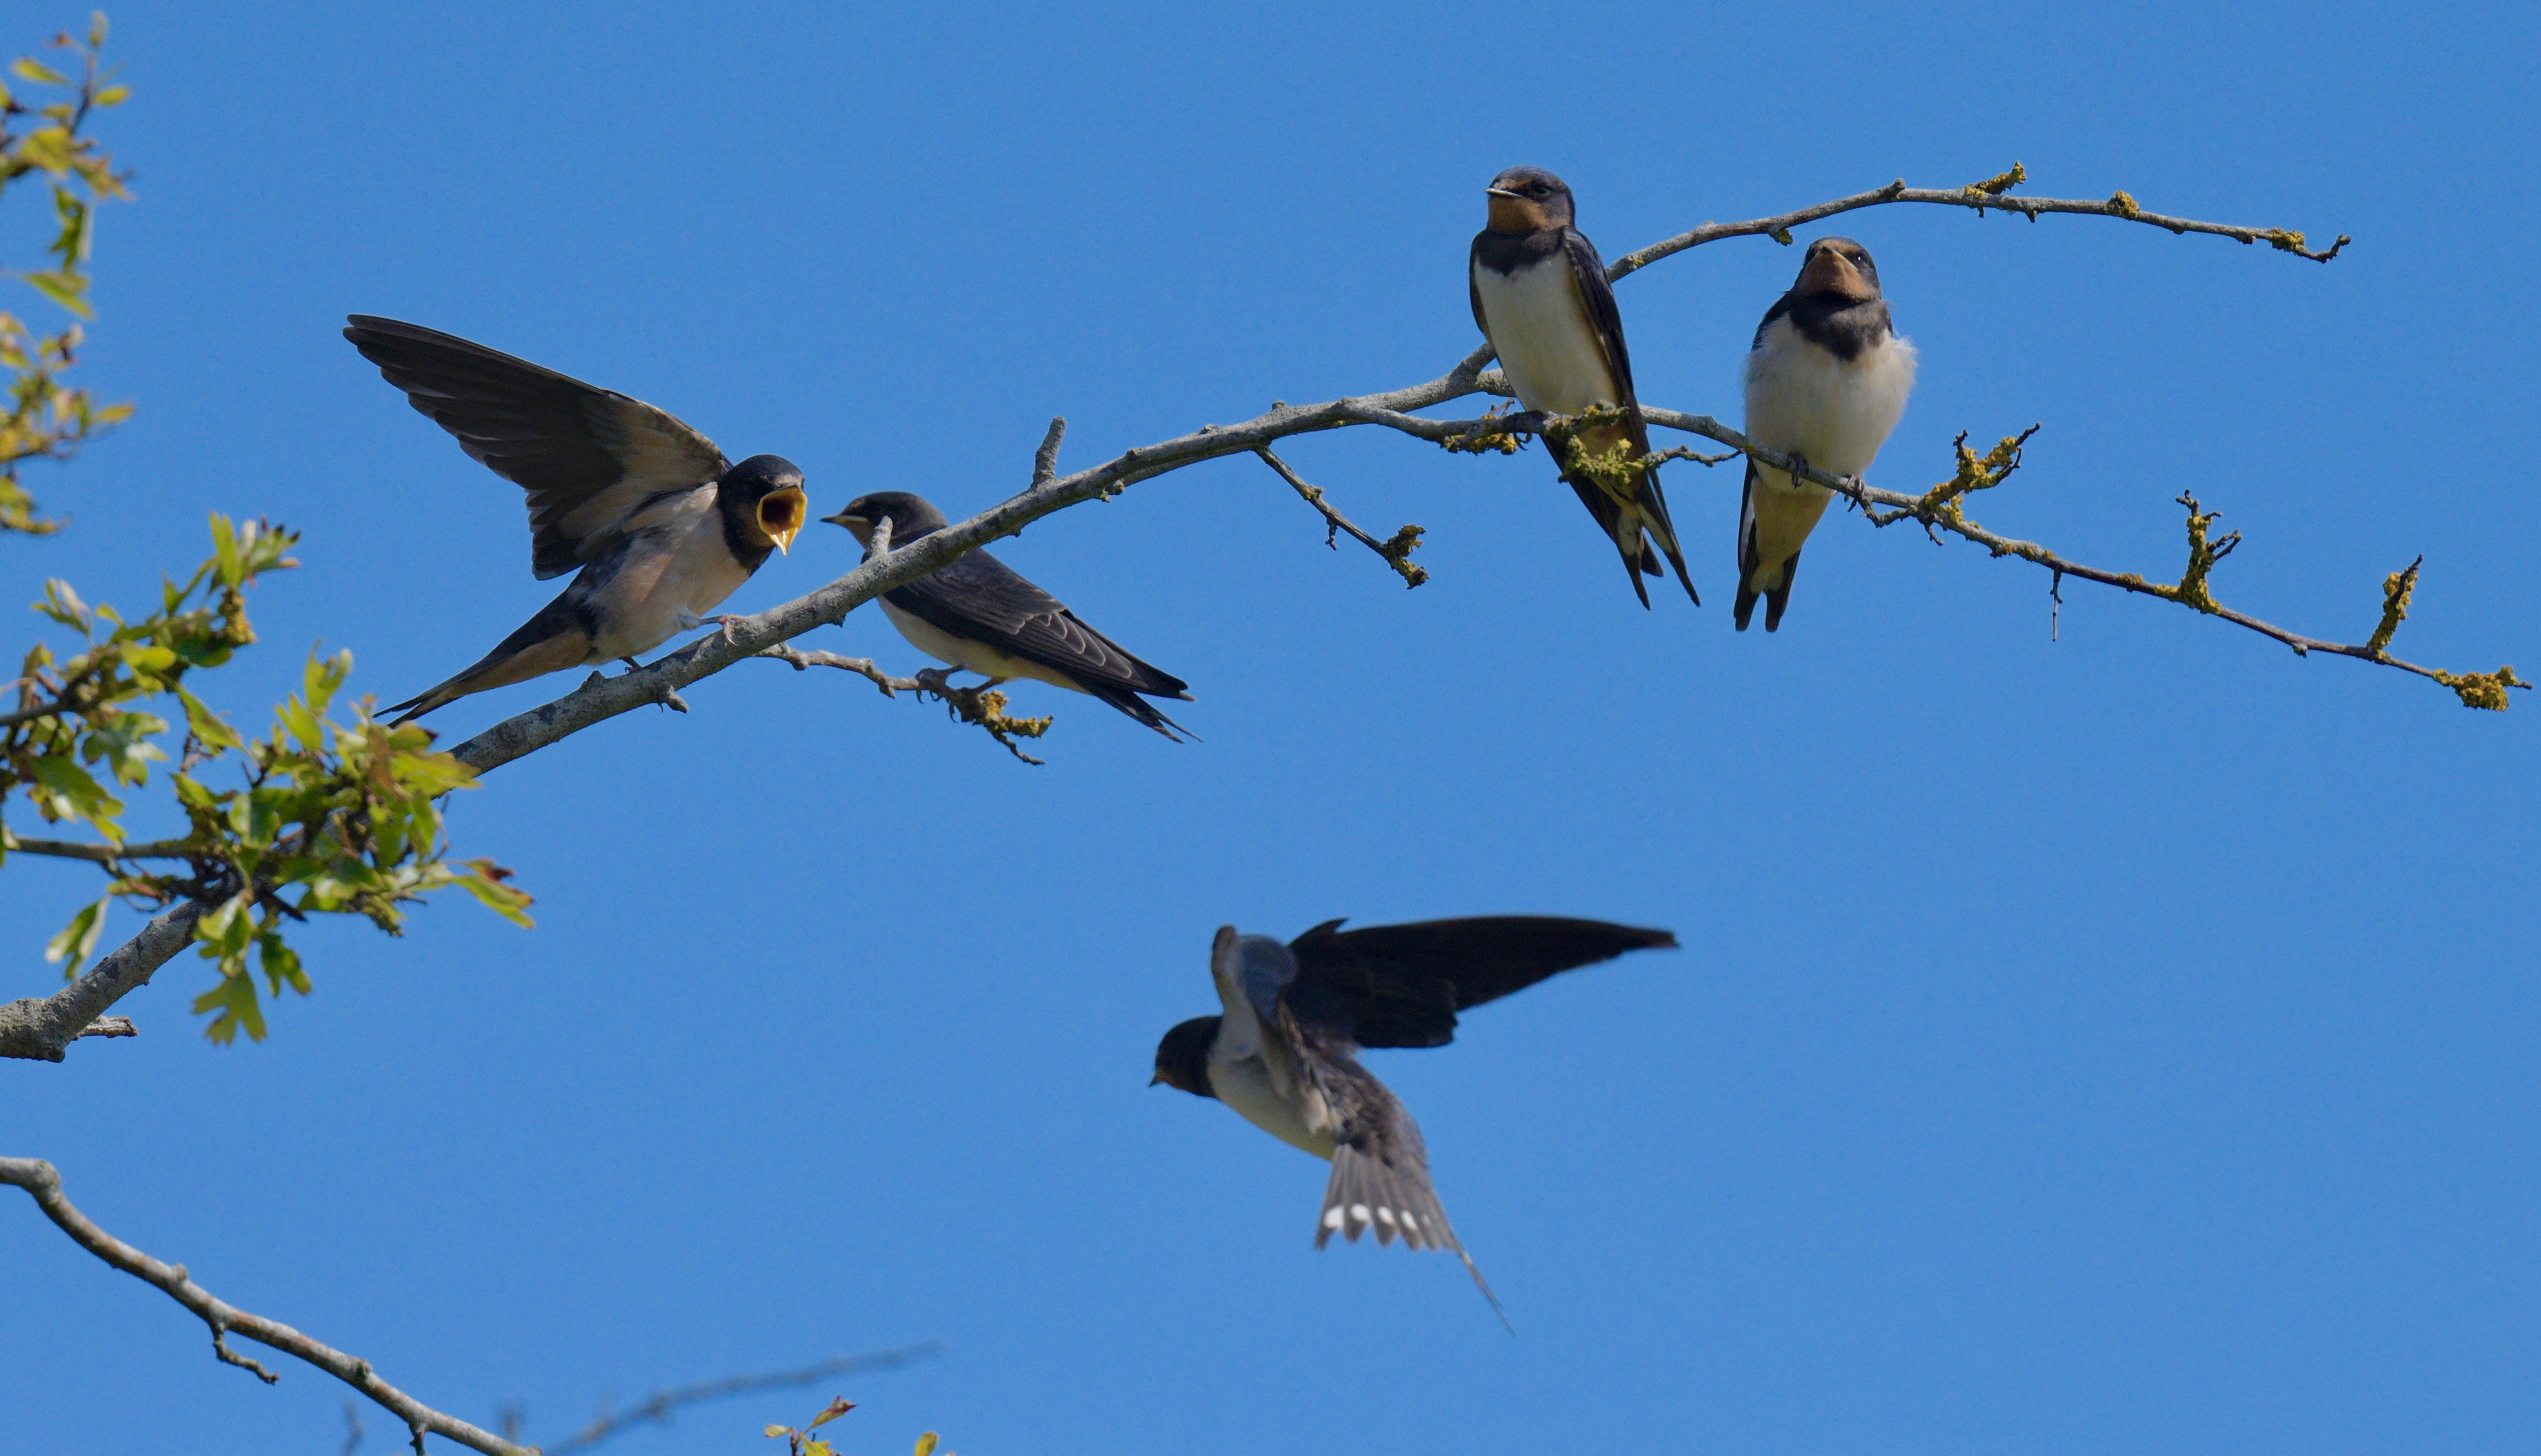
(1156, 1080)
(781, 515)
(1499, 192)
(859, 527)
(1828, 272)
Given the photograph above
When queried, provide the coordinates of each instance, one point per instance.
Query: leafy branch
(46, 418)
(799, 1440)
(345, 813)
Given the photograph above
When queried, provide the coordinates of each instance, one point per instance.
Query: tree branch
(1396, 552)
(1988, 195)
(40, 1029)
(39, 1179)
(658, 1405)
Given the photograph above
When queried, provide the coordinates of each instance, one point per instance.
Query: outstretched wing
(1402, 986)
(981, 599)
(588, 457)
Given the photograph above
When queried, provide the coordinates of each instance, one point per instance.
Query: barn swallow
(1827, 379)
(661, 526)
(978, 616)
(1540, 295)
(1283, 1051)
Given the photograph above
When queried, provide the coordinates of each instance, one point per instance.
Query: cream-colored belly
(977, 657)
(690, 572)
(1802, 400)
(1541, 330)
(1244, 1084)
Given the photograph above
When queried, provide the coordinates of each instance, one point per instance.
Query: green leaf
(226, 564)
(836, 1409)
(73, 794)
(28, 68)
(97, 30)
(295, 715)
(281, 964)
(484, 880)
(926, 1445)
(78, 940)
(235, 998)
(63, 287)
(321, 676)
(207, 729)
(114, 96)
(64, 604)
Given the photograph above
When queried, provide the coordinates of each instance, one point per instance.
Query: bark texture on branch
(39, 1180)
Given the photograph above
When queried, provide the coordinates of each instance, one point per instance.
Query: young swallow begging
(1827, 379)
(1540, 295)
(1284, 1050)
(656, 525)
(980, 616)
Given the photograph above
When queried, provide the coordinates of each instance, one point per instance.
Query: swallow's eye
(1538, 189)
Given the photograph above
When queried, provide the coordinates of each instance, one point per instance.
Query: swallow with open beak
(977, 614)
(656, 525)
(1827, 380)
(1540, 295)
(1284, 1050)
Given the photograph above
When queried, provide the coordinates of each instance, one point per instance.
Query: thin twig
(39, 1179)
(658, 1405)
(1975, 197)
(1396, 552)
(101, 853)
(1046, 459)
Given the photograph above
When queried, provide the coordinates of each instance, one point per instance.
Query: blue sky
(2118, 1043)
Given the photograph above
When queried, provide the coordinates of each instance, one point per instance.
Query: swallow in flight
(1284, 1050)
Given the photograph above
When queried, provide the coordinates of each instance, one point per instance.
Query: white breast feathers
(1546, 346)
(1803, 400)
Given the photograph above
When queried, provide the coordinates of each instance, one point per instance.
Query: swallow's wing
(1402, 986)
(981, 599)
(1598, 297)
(588, 457)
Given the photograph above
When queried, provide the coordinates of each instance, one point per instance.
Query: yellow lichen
(2395, 606)
(2483, 690)
(1999, 183)
(2124, 205)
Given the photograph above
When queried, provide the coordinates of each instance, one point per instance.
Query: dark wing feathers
(588, 457)
(981, 599)
(1402, 986)
(1608, 319)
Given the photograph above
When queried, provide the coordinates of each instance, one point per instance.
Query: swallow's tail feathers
(1130, 703)
(1639, 558)
(556, 639)
(1665, 529)
(1393, 1199)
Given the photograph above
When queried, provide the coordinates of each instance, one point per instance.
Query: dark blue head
(764, 494)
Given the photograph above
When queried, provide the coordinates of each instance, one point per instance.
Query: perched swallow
(977, 614)
(661, 526)
(1540, 295)
(1827, 379)
(1284, 1053)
